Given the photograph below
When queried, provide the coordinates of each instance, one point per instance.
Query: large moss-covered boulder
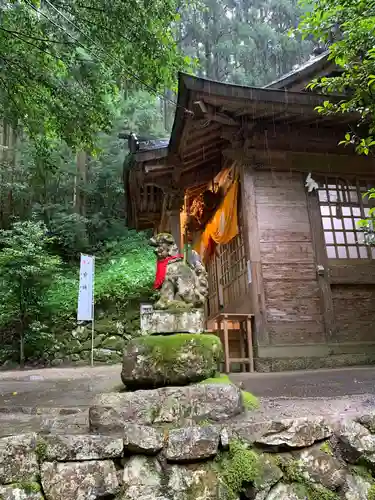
(158, 361)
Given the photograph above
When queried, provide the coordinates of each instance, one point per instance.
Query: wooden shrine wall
(304, 321)
(292, 301)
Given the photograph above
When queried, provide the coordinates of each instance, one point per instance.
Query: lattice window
(213, 296)
(341, 206)
(227, 273)
(233, 268)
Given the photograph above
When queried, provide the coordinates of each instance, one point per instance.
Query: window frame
(341, 200)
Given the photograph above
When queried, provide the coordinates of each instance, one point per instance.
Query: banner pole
(93, 313)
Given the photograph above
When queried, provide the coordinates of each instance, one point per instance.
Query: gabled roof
(300, 77)
(216, 120)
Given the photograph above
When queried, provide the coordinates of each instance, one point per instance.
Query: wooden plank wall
(292, 298)
(354, 312)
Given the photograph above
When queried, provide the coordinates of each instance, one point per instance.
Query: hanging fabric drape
(223, 227)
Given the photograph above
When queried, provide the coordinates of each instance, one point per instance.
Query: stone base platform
(167, 322)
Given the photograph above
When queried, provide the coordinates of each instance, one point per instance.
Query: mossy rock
(108, 326)
(98, 341)
(114, 343)
(250, 401)
(371, 493)
(244, 470)
(180, 359)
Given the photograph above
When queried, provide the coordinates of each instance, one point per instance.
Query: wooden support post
(321, 259)
(175, 227)
(249, 337)
(243, 335)
(252, 246)
(226, 345)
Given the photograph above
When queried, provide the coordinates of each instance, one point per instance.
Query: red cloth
(161, 270)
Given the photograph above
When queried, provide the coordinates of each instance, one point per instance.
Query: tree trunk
(79, 197)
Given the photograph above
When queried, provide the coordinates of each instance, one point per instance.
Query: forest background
(74, 75)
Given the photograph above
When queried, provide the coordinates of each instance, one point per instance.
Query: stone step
(42, 410)
(20, 419)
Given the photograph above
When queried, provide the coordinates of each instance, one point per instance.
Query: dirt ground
(60, 397)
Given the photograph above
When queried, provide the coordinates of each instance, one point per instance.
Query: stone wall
(112, 331)
(155, 450)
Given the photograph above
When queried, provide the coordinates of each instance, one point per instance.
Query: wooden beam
(324, 163)
(204, 137)
(153, 154)
(285, 132)
(211, 114)
(321, 262)
(231, 133)
(202, 152)
(221, 118)
(251, 239)
(188, 178)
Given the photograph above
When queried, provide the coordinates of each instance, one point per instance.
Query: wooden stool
(222, 320)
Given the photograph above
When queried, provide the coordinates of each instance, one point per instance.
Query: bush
(26, 271)
(124, 275)
(124, 271)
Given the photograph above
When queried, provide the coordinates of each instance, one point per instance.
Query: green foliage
(26, 272)
(367, 225)
(124, 275)
(362, 471)
(245, 42)
(125, 270)
(371, 493)
(349, 28)
(237, 468)
(41, 449)
(62, 65)
(250, 401)
(82, 210)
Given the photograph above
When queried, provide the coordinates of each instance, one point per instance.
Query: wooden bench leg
(226, 346)
(242, 332)
(249, 336)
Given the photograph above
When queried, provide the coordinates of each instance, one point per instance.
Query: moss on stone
(250, 401)
(362, 471)
(293, 473)
(203, 482)
(237, 467)
(371, 493)
(316, 492)
(28, 487)
(327, 448)
(165, 348)
(292, 470)
(41, 450)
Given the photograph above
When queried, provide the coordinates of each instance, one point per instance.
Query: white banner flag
(86, 289)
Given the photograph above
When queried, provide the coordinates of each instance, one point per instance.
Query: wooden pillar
(252, 246)
(321, 262)
(226, 345)
(249, 338)
(176, 227)
(164, 216)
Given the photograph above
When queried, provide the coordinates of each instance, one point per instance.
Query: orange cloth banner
(223, 227)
